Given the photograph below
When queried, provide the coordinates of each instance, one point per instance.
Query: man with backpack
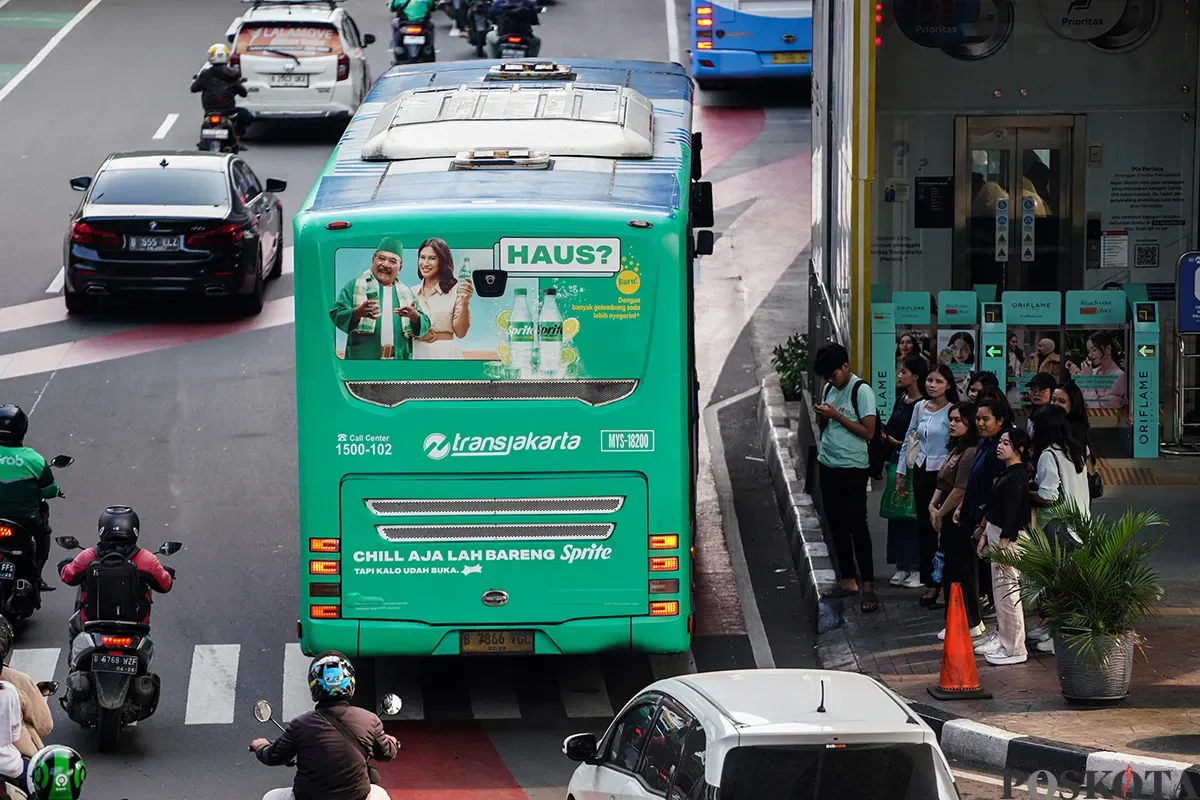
(844, 461)
(116, 575)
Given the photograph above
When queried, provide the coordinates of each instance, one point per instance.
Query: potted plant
(1092, 593)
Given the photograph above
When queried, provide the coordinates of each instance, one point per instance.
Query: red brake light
(82, 233)
(704, 45)
(704, 10)
(235, 60)
(226, 234)
(117, 641)
(214, 119)
(704, 23)
(5, 531)
(343, 67)
(412, 29)
(514, 39)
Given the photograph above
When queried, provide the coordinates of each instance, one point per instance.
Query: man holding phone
(848, 403)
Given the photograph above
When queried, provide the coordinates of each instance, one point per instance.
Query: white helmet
(218, 54)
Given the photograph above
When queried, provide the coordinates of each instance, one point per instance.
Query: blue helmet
(331, 677)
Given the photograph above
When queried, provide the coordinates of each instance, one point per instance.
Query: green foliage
(790, 360)
(1096, 591)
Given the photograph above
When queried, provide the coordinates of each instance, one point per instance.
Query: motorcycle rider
(331, 743)
(414, 11)
(513, 18)
(13, 766)
(55, 773)
(119, 526)
(35, 711)
(220, 85)
(26, 483)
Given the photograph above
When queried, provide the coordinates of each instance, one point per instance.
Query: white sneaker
(914, 581)
(988, 644)
(1045, 646)
(1038, 634)
(976, 632)
(900, 577)
(999, 658)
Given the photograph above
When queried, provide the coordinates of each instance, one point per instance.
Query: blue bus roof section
(645, 183)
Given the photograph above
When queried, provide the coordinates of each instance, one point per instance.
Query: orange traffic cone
(960, 680)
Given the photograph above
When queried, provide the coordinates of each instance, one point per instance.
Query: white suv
(301, 60)
(797, 734)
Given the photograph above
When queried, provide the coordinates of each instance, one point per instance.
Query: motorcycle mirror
(391, 704)
(48, 687)
(262, 711)
(170, 547)
(61, 461)
(69, 542)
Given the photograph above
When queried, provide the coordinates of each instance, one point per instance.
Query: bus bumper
(719, 65)
(371, 639)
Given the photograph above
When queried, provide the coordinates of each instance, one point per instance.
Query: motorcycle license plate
(123, 665)
(154, 244)
(8, 570)
(414, 40)
(512, 52)
(214, 133)
(300, 81)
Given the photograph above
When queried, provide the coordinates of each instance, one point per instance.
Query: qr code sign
(1145, 255)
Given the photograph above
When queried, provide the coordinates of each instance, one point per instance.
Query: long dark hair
(445, 273)
(1052, 429)
(948, 376)
(919, 367)
(958, 444)
(1078, 413)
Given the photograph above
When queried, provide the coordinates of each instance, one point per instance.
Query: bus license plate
(414, 40)
(124, 665)
(789, 58)
(291, 79)
(214, 133)
(495, 642)
(8, 570)
(154, 244)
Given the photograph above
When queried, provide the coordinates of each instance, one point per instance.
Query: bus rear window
(813, 772)
(284, 40)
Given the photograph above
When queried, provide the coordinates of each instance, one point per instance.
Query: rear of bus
(747, 39)
(294, 69)
(525, 487)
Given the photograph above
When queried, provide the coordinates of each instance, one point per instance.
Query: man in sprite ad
(377, 312)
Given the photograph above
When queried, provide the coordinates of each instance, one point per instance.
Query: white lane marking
(54, 42)
(38, 663)
(161, 133)
(289, 262)
(212, 684)
(31, 315)
(672, 32)
(492, 694)
(56, 285)
(3, 3)
(296, 698)
(584, 693)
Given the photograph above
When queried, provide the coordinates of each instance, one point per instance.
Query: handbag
(897, 505)
(1095, 481)
(372, 773)
(912, 450)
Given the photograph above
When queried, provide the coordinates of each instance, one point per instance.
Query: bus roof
(651, 183)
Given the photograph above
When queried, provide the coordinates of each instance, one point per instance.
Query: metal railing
(821, 326)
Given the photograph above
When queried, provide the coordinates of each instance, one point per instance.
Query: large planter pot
(1083, 684)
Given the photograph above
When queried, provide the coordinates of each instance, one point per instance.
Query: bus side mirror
(702, 204)
(697, 163)
(704, 243)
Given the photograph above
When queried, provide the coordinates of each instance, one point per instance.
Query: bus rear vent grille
(532, 505)
(390, 394)
(587, 531)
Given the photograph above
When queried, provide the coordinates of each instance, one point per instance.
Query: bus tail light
(664, 563)
(704, 11)
(664, 541)
(704, 45)
(326, 612)
(323, 545)
(343, 67)
(665, 586)
(325, 589)
(704, 23)
(323, 568)
(664, 608)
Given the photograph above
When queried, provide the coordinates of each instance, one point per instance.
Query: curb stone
(786, 443)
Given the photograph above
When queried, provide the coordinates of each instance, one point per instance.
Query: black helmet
(331, 677)
(119, 524)
(6, 640)
(13, 426)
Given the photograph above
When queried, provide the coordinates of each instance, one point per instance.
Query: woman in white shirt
(444, 299)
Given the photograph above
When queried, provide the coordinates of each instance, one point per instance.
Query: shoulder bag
(372, 773)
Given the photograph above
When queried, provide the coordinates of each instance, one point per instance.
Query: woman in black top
(903, 547)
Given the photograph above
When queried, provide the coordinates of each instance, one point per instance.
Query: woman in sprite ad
(432, 312)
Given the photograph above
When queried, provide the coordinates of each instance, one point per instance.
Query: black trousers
(924, 487)
(962, 566)
(844, 497)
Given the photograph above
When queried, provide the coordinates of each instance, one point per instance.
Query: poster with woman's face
(956, 349)
(1030, 351)
(1095, 361)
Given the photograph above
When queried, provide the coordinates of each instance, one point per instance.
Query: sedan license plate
(414, 40)
(470, 642)
(154, 244)
(300, 81)
(789, 58)
(105, 662)
(214, 133)
(8, 570)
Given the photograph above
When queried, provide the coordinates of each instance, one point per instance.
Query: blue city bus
(738, 40)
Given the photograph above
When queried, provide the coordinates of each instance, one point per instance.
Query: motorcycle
(414, 42)
(19, 592)
(390, 704)
(478, 25)
(109, 682)
(218, 134)
(514, 46)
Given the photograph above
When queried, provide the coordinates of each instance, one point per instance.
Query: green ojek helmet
(55, 773)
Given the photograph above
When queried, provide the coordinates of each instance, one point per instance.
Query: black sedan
(179, 222)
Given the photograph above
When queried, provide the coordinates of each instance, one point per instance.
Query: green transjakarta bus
(496, 392)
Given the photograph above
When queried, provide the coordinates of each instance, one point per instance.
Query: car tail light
(235, 60)
(514, 39)
(226, 234)
(323, 545)
(343, 67)
(665, 586)
(117, 641)
(214, 119)
(322, 568)
(5, 532)
(325, 612)
(82, 233)
(664, 541)
(664, 608)
(664, 563)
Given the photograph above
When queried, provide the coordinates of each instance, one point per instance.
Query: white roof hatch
(574, 119)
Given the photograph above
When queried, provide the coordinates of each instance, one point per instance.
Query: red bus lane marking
(726, 131)
(447, 762)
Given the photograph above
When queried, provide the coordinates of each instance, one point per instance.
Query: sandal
(870, 602)
(839, 591)
(929, 601)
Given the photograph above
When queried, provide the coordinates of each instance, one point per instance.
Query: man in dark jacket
(513, 18)
(330, 744)
(220, 85)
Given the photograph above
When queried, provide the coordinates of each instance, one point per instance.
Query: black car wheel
(252, 304)
(80, 303)
(277, 264)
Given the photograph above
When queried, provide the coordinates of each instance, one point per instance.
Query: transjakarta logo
(437, 445)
